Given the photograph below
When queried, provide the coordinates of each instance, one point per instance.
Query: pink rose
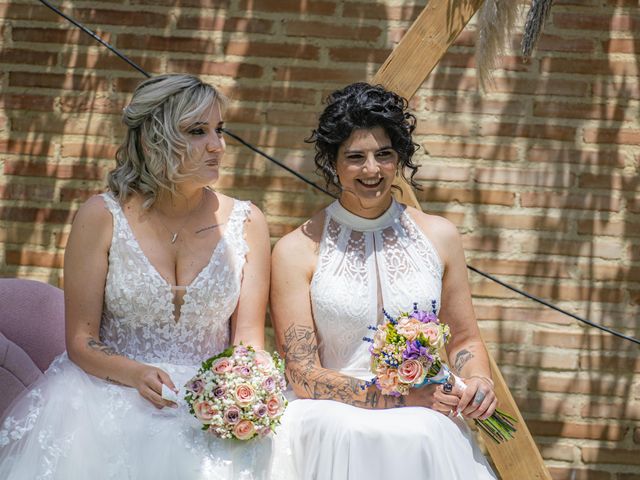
(204, 411)
(263, 360)
(431, 331)
(273, 406)
(244, 394)
(379, 339)
(221, 365)
(408, 328)
(388, 382)
(411, 371)
(244, 430)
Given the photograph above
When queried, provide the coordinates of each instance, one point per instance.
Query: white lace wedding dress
(364, 265)
(73, 425)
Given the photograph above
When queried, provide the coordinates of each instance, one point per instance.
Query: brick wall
(540, 174)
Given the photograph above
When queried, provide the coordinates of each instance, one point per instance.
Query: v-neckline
(155, 271)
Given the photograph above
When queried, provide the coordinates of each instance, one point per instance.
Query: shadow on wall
(547, 203)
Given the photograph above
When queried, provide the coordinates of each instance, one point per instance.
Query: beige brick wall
(540, 174)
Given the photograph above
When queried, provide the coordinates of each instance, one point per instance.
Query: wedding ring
(447, 388)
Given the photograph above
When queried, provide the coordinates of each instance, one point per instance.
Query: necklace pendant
(174, 238)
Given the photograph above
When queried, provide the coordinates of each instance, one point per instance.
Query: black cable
(309, 182)
(95, 37)
(552, 306)
(277, 162)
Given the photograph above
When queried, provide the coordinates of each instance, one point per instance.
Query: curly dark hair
(363, 106)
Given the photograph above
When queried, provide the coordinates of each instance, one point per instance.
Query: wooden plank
(403, 72)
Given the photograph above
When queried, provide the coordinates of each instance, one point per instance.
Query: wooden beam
(404, 71)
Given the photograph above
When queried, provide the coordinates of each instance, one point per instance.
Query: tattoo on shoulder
(462, 357)
(101, 347)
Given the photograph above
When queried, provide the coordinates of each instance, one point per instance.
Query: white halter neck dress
(365, 265)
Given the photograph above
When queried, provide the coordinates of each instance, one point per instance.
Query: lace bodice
(362, 266)
(138, 312)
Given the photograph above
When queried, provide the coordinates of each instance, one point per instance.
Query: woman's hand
(148, 381)
(478, 399)
(437, 397)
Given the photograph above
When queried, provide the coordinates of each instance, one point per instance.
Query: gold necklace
(174, 235)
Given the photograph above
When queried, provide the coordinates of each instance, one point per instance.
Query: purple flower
(242, 370)
(197, 386)
(260, 410)
(269, 384)
(219, 391)
(232, 415)
(415, 350)
(424, 317)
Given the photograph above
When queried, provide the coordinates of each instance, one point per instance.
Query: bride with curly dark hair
(331, 278)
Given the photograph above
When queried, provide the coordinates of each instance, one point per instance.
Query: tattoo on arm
(100, 347)
(462, 357)
(300, 350)
(115, 382)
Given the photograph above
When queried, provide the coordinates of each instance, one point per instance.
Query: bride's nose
(370, 163)
(215, 144)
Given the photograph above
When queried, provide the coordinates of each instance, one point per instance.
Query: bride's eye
(220, 130)
(197, 131)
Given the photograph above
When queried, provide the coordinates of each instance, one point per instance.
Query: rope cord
(309, 182)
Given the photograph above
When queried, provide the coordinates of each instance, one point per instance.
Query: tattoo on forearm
(462, 357)
(115, 382)
(100, 347)
(300, 349)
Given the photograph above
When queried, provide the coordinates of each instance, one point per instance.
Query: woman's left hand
(478, 400)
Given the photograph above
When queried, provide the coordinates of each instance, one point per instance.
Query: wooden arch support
(404, 71)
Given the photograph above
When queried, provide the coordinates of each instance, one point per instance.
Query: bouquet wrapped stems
(500, 426)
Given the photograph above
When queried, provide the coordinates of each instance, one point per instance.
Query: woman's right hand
(436, 398)
(148, 381)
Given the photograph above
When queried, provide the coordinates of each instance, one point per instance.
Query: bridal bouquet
(238, 393)
(405, 353)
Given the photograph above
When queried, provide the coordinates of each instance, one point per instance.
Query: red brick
(27, 147)
(589, 67)
(594, 249)
(289, 117)
(68, 194)
(82, 83)
(537, 178)
(270, 94)
(622, 90)
(203, 67)
(556, 43)
(473, 105)
(527, 130)
(612, 135)
(576, 340)
(483, 197)
(317, 74)
(24, 56)
(286, 137)
(633, 205)
(70, 126)
(483, 243)
(165, 44)
(571, 384)
(104, 60)
(36, 13)
(466, 149)
(539, 315)
(603, 454)
(63, 35)
(25, 191)
(608, 182)
(596, 22)
(34, 259)
(458, 128)
(522, 222)
(582, 157)
(582, 201)
(27, 102)
(443, 173)
(46, 169)
(85, 104)
(528, 268)
(119, 18)
(580, 110)
(543, 87)
(331, 30)
(575, 473)
(269, 50)
(222, 24)
(381, 11)
(36, 215)
(621, 45)
(358, 54)
(89, 150)
(594, 431)
(294, 6)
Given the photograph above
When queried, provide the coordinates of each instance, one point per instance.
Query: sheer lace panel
(355, 257)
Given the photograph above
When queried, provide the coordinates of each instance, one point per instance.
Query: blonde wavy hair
(155, 146)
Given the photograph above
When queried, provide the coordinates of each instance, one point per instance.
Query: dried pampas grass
(536, 18)
(496, 19)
